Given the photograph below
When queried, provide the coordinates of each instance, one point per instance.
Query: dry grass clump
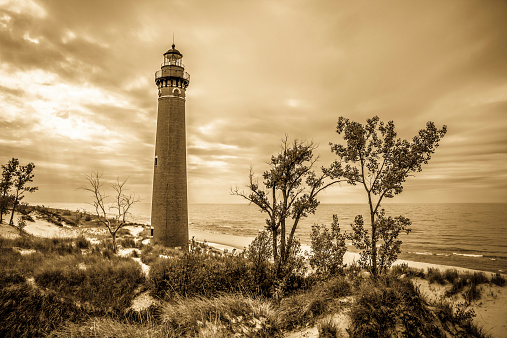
(109, 327)
(404, 269)
(224, 315)
(299, 309)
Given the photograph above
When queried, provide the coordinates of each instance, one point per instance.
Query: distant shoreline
(237, 228)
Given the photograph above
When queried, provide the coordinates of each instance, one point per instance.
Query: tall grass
(62, 246)
(105, 285)
(26, 311)
(297, 310)
(224, 315)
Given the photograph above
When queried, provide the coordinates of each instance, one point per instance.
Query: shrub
(29, 312)
(391, 305)
(435, 276)
(106, 284)
(82, 242)
(451, 275)
(151, 253)
(478, 278)
(128, 242)
(27, 218)
(497, 279)
(458, 285)
(467, 279)
(328, 248)
(473, 293)
(199, 274)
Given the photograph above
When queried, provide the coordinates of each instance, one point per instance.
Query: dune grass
(69, 287)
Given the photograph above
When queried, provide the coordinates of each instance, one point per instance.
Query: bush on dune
(29, 312)
(107, 285)
(199, 275)
(394, 307)
(389, 305)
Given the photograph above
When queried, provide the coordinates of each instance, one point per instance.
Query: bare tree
(115, 220)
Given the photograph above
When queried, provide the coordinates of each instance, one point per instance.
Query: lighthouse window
(176, 91)
(156, 160)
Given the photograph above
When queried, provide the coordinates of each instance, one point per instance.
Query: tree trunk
(275, 246)
(115, 249)
(373, 245)
(11, 221)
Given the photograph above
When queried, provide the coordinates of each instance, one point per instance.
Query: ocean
(466, 235)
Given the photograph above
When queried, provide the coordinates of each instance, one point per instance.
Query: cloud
(77, 87)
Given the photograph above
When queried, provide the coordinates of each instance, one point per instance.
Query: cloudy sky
(77, 88)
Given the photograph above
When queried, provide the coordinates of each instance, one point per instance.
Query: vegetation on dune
(62, 290)
(76, 287)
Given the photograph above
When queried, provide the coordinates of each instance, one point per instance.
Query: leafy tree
(8, 173)
(328, 249)
(290, 191)
(375, 158)
(122, 203)
(22, 176)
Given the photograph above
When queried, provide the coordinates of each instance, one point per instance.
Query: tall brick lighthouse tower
(169, 213)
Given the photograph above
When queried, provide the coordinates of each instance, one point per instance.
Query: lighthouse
(169, 210)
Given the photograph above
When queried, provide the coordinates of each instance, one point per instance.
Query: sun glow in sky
(77, 89)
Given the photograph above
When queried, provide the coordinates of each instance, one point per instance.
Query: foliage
(14, 177)
(8, 176)
(328, 248)
(373, 157)
(290, 191)
(122, 204)
(259, 253)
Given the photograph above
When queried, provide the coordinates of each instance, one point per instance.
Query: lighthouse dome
(174, 53)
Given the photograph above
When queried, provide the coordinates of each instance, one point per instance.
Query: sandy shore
(231, 242)
(42, 228)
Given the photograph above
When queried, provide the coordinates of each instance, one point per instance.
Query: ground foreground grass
(72, 288)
